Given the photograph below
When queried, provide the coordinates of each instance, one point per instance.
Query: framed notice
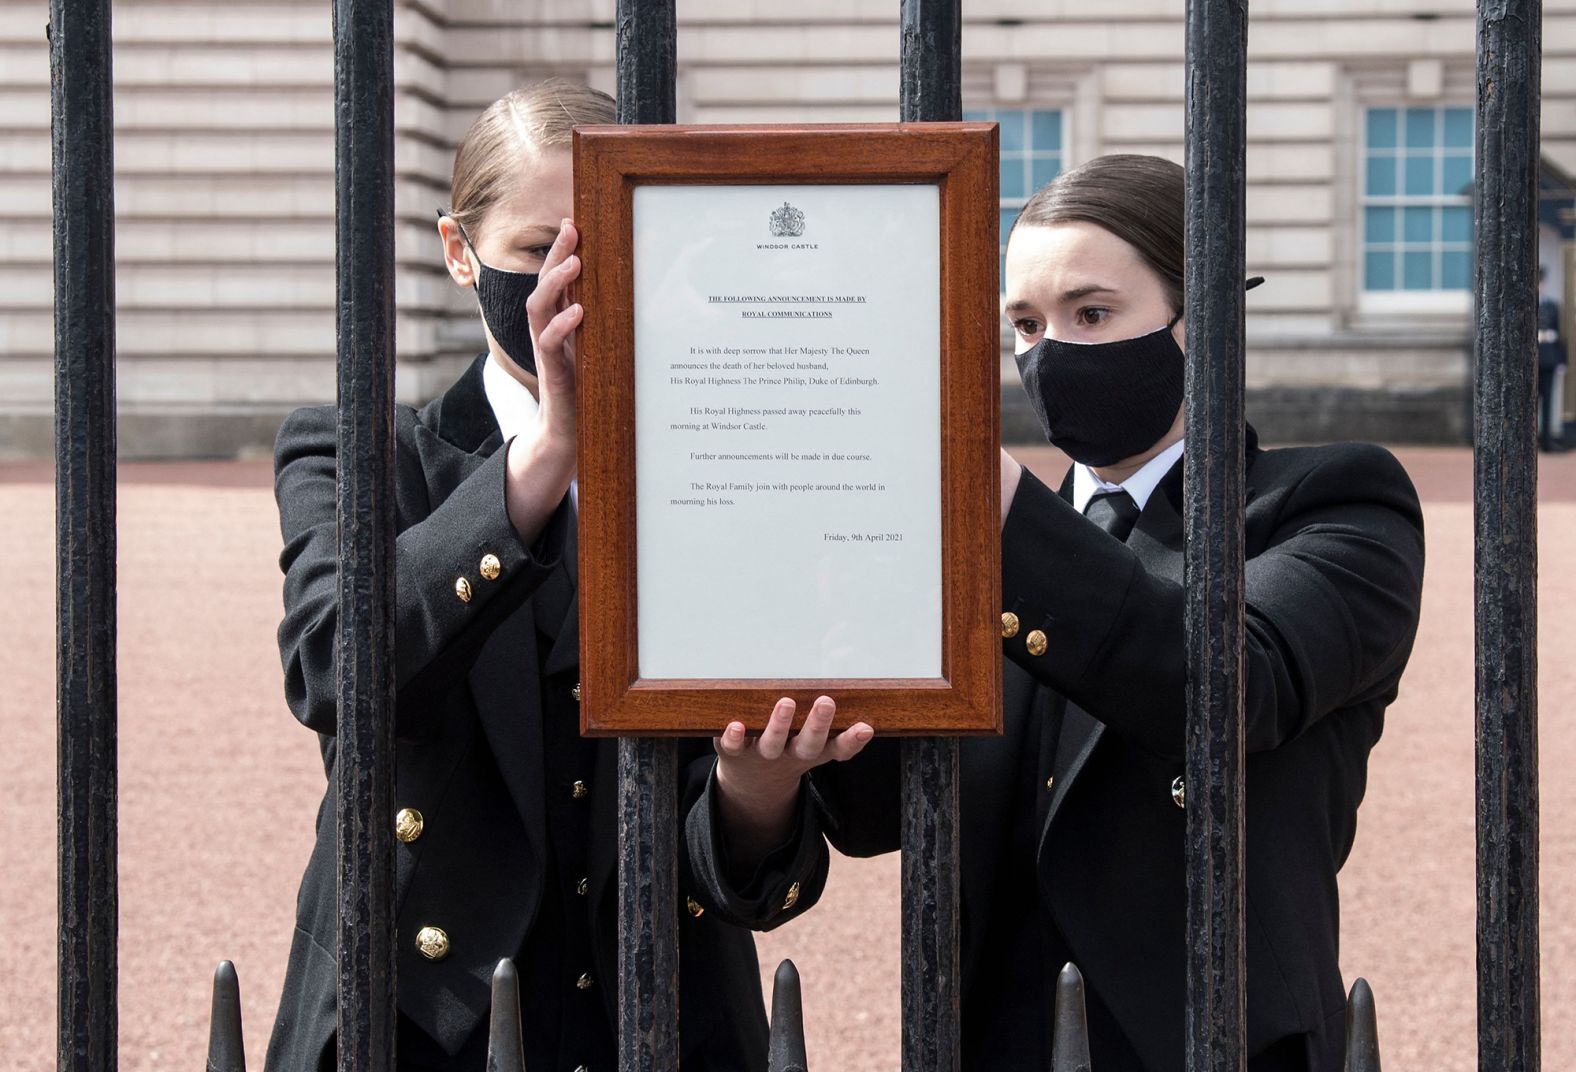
(789, 395)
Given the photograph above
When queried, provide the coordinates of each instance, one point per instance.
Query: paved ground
(219, 786)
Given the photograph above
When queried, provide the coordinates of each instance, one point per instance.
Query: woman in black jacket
(506, 824)
(1073, 821)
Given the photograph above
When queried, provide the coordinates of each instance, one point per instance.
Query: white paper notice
(787, 431)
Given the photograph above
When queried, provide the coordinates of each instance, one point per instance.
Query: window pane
(1012, 177)
(1420, 175)
(1011, 131)
(1417, 271)
(1419, 225)
(1420, 128)
(1379, 271)
(1381, 176)
(1047, 131)
(1007, 216)
(1046, 168)
(1458, 128)
(1456, 224)
(1380, 225)
(1381, 128)
(977, 117)
(1458, 174)
(1455, 271)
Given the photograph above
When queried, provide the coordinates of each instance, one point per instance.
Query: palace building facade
(1359, 205)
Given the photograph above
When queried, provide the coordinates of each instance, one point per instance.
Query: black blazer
(472, 693)
(1333, 584)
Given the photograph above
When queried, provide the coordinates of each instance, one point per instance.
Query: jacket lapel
(565, 653)
(503, 676)
(456, 434)
(1157, 539)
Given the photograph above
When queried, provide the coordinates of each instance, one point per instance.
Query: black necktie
(1113, 511)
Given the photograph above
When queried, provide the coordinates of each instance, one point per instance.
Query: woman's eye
(1027, 328)
(1091, 315)
(539, 251)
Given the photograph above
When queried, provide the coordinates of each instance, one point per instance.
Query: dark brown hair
(1137, 198)
(522, 122)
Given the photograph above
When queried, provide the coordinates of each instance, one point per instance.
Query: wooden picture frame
(960, 160)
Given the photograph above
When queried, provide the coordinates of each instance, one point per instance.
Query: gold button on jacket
(1034, 643)
(792, 898)
(579, 791)
(584, 982)
(583, 887)
(575, 692)
(408, 825)
(1009, 625)
(432, 943)
(1179, 792)
(694, 907)
(491, 567)
(462, 588)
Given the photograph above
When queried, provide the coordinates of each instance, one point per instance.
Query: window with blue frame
(1417, 199)
(1031, 156)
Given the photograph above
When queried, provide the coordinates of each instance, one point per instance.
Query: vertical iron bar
(364, 770)
(931, 995)
(1217, 33)
(84, 233)
(1509, 49)
(648, 934)
(931, 90)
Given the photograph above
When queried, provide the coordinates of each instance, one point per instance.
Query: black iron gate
(1509, 52)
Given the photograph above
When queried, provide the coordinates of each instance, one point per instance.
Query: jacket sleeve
(438, 635)
(1331, 605)
(788, 880)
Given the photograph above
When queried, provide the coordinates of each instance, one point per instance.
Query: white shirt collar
(1087, 484)
(514, 407)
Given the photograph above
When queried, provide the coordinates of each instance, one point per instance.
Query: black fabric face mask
(1103, 402)
(501, 294)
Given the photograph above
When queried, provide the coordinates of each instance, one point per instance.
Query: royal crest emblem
(787, 222)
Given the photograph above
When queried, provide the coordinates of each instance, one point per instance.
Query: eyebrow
(1087, 289)
(537, 234)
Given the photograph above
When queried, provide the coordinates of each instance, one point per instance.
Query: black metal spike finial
(1362, 1030)
(225, 1050)
(1070, 1042)
(505, 1040)
(785, 1051)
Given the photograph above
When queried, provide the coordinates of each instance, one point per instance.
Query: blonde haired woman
(505, 827)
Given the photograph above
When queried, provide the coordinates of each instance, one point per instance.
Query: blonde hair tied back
(517, 125)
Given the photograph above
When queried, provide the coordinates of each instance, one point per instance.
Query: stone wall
(225, 194)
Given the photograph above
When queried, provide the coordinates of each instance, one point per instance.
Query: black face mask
(502, 295)
(1103, 402)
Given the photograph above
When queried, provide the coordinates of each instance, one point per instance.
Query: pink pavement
(219, 786)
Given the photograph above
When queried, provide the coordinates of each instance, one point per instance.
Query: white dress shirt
(515, 409)
(1087, 483)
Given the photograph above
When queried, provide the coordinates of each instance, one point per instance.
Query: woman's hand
(758, 781)
(542, 463)
(1011, 473)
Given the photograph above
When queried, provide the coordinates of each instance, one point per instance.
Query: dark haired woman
(1073, 821)
(506, 824)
